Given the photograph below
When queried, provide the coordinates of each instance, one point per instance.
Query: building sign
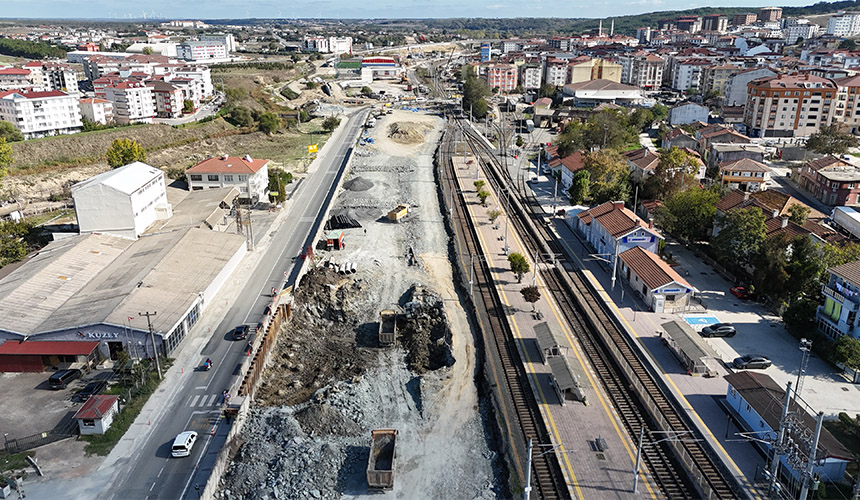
(639, 239)
(99, 335)
(671, 290)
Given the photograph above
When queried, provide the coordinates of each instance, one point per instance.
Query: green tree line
(30, 50)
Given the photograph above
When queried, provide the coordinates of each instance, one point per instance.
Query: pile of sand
(408, 132)
(358, 184)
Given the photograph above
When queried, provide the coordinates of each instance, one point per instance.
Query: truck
(848, 219)
(371, 122)
(387, 326)
(380, 464)
(530, 126)
(398, 212)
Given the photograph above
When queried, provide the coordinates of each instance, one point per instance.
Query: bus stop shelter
(548, 342)
(687, 345)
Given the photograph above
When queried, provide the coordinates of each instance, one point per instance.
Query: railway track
(547, 479)
(637, 397)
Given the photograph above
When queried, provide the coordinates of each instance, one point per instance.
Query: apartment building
(228, 40)
(831, 181)
(97, 110)
(687, 74)
(585, 69)
(332, 44)
(555, 71)
(98, 65)
(715, 22)
(247, 174)
(800, 29)
(789, 105)
(736, 85)
(642, 69)
(531, 76)
(201, 51)
(769, 14)
(14, 78)
(502, 77)
(838, 315)
(744, 19)
(844, 25)
(60, 77)
(744, 174)
(40, 113)
(167, 99)
(716, 78)
(132, 102)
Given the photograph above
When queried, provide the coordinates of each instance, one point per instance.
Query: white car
(183, 444)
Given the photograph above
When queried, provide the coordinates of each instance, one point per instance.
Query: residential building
(715, 22)
(737, 88)
(717, 134)
(123, 201)
(691, 24)
(844, 25)
(744, 174)
(567, 167)
(642, 69)
(248, 174)
(603, 91)
(201, 51)
(660, 286)
(801, 29)
(531, 76)
(227, 39)
(132, 102)
(641, 163)
(838, 316)
(721, 153)
(14, 78)
(744, 19)
(688, 112)
(97, 110)
(593, 69)
(502, 77)
(643, 35)
(60, 77)
(847, 109)
(199, 78)
(756, 402)
(679, 138)
(831, 181)
(789, 105)
(555, 71)
(769, 14)
(716, 78)
(613, 229)
(485, 52)
(40, 113)
(687, 73)
(167, 99)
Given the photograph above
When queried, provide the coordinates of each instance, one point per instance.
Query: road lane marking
(194, 400)
(212, 400)
(153, 486)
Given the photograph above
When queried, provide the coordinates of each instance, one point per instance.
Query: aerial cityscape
(456, 251)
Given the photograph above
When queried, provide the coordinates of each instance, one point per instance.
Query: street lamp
(528, 488)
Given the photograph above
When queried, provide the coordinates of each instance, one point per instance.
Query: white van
(183, 443)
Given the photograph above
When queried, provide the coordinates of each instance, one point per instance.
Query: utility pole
(152, 338)
(528, 489)
(810, 464)
(778, 446)
(805, 349)
(250, 227)
(638, 460)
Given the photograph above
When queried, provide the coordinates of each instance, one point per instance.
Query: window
(243, 178)
(87, 422)
(670, 298)
(228, 177)
(644, 290)
(196, 177)
(748, 408)
(212, 177)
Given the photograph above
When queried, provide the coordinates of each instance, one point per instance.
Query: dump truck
(387, 326)
(380, 465)
(398, 213)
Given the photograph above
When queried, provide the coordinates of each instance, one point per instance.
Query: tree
(741, 235)
(609, 175)
(310, 85)
(675, 170)
(520, 141)
(689, 214)
(848, 351)
(187, 106)
(519, 265)
(278, 180)
(479, 184)
(9, 132)
(474, 91)
(330, 123)
(831, 140)
(578, 190)
(483, 195)
(799, 213)
(608, 129)
(6, 156)
(848, 44)
(124, 151)
(269, 123)
(493, 214)
(770, 275)
(547, 90)
(366, 91)
(241, 117)
(531, 294)
(147, 51)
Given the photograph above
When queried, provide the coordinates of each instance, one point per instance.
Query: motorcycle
(207, 365)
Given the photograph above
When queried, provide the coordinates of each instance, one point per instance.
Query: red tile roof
(14, 71)
(227, 165)
(650, 268)
(744, 165)
(96, 407)
(48, 347)
(643, 158)
(619, 222)
(587, 216)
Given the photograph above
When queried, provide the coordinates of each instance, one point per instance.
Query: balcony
(852, 302)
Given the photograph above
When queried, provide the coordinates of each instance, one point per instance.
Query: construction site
(340, 370)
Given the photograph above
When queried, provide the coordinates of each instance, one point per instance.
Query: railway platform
(596, 454)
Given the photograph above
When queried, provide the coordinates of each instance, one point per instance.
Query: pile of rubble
(407, 132)
(425, 331)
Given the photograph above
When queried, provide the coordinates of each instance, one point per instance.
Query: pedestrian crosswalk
(204, 400)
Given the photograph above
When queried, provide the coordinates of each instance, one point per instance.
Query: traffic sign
(312, 148)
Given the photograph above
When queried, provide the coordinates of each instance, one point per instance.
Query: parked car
(752, 361)
(62, 378)
(241, 332)
(91, 389)
(741, 292)
(719, 330)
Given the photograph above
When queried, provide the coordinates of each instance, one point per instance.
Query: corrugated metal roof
(48, 348)
(126, 179)
(545, 337)
(688, 340)
(96, 406)
(562, 373)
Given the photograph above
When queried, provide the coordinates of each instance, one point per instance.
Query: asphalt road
(196, 404)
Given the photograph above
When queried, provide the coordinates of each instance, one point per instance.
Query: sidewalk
(574, 427)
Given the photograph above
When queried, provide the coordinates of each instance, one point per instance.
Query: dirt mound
(358, 184)
(425, 331)
(407, 132)
(322, 419)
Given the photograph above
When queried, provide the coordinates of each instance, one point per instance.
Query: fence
(67, 428)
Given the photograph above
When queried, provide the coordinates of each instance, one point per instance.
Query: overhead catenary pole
(528, 489)
(638, 460)
(810, 464)
(152, 338)
(777, 446)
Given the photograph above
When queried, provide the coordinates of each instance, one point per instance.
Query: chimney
(651, 223)
(783, 221)
(617, 205)
(746, 195)
(224, 157)
(248, 158)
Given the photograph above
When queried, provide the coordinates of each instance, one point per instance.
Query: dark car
(241, 332)
(719, 330)
(62, 378)
(752, 361)
(93, 388)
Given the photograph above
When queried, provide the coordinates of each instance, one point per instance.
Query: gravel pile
(358, 184)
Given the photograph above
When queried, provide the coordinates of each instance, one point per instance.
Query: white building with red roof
(14, 78)
(96, 415)
(247, 174)
(661, 287)
(97, 110)
(40, 114)
(132, 102)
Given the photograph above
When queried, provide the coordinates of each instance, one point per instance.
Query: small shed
(334, 239)
(97, 414)
(696, 356)
(564, 380)
(35, 355)
(547, 342)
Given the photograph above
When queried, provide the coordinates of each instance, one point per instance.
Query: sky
(234, 9)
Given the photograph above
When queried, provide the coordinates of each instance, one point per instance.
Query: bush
(288, 93)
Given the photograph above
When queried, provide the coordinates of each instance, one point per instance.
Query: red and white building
(247, 174)
(502, 76)
(97, 110)
(39, 113)
(14, 78)
(167, 99)
(132, 102)
(202, 51)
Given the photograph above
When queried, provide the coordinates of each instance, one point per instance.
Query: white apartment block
(201, 51)
(228, 40)
(332, 44)
(804, 30)
(132, 102)
(844, 25)
(40, 114)
(642, 69)
(123, 201)
(555, 72)
(97, 110)
(736, 87)
(167, 99)
(688, 74)
(530, 76)
(200, 76)
(246, 174)
(15, 78)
